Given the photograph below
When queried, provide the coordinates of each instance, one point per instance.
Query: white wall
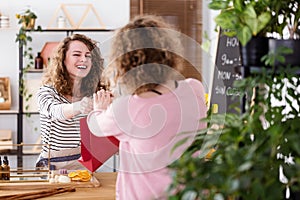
(209, 57)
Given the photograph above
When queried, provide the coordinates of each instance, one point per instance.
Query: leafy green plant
(242, 18)
(256, 154)
(26, 20)
(285, 15)
(250, 18)
(276, 55)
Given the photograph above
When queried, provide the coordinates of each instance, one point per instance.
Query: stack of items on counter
(64, 177)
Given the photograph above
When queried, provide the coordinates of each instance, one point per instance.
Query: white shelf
(32, 70)
(9, 111)
(8, 28)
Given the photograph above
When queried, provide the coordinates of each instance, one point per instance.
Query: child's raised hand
(102, 99)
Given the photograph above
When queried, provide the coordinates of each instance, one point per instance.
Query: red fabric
(95, 150)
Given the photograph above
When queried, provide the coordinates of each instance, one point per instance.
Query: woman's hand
(86, 105)
(102, 99)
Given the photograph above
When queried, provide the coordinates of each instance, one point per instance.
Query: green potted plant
(246, 20)
(27, 21)
(254, 22)
(242, 18)
(256, 154)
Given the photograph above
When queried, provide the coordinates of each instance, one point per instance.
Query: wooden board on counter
(105, 192)
(28, 185)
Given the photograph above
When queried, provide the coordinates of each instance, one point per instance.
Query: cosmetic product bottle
(38, 61)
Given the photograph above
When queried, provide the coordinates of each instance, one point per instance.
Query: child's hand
(102, 99)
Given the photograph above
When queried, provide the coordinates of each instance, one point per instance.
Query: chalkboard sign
(226, 71)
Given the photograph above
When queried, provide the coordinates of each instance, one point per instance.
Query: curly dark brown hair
(142, 54)
(57, 75)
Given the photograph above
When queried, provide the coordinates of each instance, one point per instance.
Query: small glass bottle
(51, 176)
(5, 169)
(38, 62)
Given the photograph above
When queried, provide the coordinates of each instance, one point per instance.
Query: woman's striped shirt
(57, 131)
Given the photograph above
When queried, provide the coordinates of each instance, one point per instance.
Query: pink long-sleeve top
(148, 129)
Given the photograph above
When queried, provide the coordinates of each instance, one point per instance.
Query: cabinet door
(186, 15)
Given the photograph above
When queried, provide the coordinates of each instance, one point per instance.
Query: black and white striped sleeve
(50, 103)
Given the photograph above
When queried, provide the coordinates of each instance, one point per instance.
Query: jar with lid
(61, 22)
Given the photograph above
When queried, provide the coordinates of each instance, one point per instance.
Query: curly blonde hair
(57, 75)
(142, 54)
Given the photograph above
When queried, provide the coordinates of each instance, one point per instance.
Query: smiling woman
(71, 78)
(78, 62)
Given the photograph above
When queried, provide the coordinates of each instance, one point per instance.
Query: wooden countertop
(105, 192)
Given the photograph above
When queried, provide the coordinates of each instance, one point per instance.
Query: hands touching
(84, 106)
(102, 99)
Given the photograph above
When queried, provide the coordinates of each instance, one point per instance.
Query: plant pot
(28, 23)
(290, 59)
(253, 51)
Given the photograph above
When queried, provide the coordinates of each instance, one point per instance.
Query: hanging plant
(26, 20)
